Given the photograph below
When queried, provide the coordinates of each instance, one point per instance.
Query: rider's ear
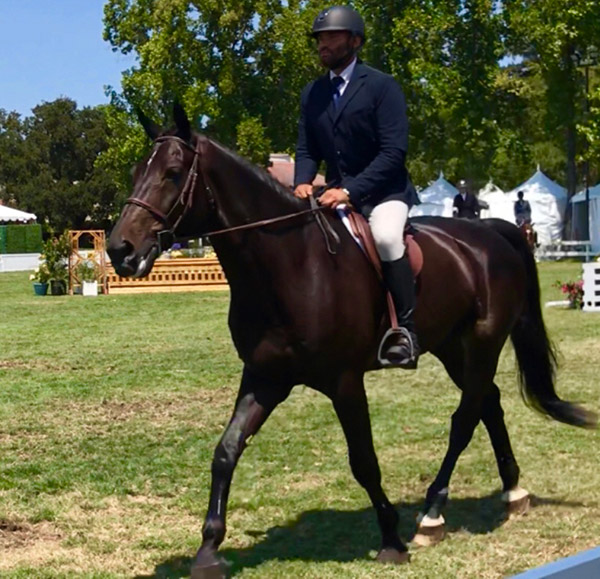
(181, 122)
(151, 128)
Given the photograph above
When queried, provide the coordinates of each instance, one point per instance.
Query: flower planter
(40, 289)
(89, 288)
(58, 287)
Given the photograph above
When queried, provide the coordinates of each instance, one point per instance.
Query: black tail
(535, 353)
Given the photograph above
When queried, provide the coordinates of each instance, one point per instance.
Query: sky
(54, 48)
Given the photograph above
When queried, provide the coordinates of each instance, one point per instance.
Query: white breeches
(387, 221)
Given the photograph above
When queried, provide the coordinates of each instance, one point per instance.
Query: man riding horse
(354, 119)
(522, 211)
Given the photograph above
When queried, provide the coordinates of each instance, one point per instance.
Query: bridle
(173, 218)
(184, 202)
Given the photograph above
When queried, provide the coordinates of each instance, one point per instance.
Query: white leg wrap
(426, 521)
(515, 494)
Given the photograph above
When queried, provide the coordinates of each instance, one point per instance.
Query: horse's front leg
(256, 400)
(350, 402)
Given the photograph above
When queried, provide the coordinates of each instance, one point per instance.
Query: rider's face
(337, 49)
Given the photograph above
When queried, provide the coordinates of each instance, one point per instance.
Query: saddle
(360, 230)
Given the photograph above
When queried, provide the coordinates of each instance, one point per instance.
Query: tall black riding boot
(400, 347)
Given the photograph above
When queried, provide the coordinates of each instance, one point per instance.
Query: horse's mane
(261, 175)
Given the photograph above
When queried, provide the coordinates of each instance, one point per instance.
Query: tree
(549, 32)
(446, 56)
(225, 61)
(50, 166)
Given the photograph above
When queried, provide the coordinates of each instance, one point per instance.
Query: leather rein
(184, 202)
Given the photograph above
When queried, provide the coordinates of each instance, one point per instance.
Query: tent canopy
(580, 197)
(497, 201)
(580, 228)
(10, 214)
(436, 199)
(548, 202)
(490, 189)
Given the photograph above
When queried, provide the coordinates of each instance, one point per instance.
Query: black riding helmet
(339, 18)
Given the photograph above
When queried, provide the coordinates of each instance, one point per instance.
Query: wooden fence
(172, 275)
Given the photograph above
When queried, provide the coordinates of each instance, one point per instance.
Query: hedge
(21, 238)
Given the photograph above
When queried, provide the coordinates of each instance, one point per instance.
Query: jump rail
(585, 565)
(172, 275)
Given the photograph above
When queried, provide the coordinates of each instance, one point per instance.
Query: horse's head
(163, 199)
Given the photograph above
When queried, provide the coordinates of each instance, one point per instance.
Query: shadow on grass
(343, 536)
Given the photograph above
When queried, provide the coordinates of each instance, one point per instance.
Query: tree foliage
(493, 89)
(239, 67)
(49, 164)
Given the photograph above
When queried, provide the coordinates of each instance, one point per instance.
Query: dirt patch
(15, 535)
(181, 408)
(31, 365)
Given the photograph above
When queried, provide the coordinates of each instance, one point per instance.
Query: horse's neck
(244, 196)
(242, 193)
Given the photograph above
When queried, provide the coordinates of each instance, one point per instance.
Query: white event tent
(579, 229)
(436, 199)
(497, 201)
(548, 202)
(10, 214)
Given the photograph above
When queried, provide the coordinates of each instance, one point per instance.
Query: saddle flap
(362, 232)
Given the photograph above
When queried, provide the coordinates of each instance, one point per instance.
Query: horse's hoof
(390, 555)
(216, 569)
(517, 503)
(429, 536)
(430, 531)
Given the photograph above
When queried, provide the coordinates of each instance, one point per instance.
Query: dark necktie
(336, 83)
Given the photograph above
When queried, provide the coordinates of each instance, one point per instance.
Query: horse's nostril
(119, 252)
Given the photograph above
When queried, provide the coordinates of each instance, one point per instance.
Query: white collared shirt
(346, 74)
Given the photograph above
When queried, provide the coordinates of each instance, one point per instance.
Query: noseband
(185, 200)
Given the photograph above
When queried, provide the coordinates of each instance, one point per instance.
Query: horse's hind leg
(515, 498)
(351, 406)
(256, 400)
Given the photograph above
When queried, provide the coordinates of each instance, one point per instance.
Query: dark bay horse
(305, 311)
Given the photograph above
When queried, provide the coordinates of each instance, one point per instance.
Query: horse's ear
(182, 123)
(151, 128)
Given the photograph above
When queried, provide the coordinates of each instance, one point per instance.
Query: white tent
(548, 202)
(499, 204)
(10, 214)
(436, 199)
(579, 229)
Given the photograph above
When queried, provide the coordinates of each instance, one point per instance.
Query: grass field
(110, 408)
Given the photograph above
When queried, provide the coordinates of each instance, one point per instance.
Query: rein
(184, 202)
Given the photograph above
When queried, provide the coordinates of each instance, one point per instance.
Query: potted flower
(56, 253)
(86, 272)
(40, 278)
(573, 291)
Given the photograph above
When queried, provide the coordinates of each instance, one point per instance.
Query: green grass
(110, 409)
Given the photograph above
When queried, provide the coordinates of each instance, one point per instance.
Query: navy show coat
(467, 208)
(363, 141)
